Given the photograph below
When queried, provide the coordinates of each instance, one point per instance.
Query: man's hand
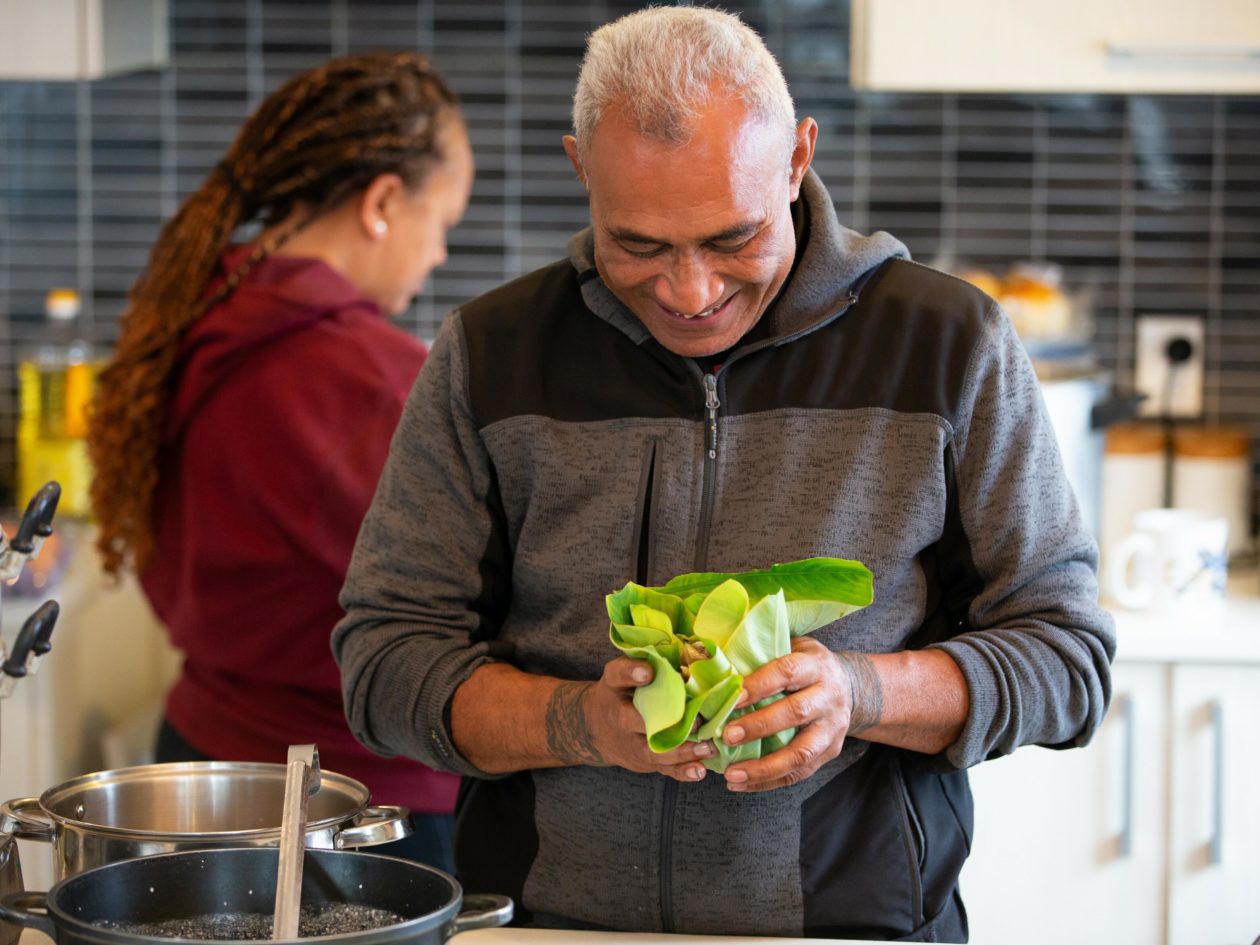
(504, 719)
(597, 724)
(827, 697)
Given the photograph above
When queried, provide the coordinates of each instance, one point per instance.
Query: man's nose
(688, 287)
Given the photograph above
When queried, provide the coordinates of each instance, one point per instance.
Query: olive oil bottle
(55, 384)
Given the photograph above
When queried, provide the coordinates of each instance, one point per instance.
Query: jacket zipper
(670, 800)
(711, 405)
(667, 864)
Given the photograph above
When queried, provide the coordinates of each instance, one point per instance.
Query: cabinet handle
(1125, 707)
(1216, 52)
(1216, 714)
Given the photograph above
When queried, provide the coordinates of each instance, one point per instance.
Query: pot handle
(22, 817)
(16, 908)
(482, 911)
(377, 823)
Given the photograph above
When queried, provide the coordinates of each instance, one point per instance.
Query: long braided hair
(323, 136)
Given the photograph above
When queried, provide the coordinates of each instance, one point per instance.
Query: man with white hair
(719, 377)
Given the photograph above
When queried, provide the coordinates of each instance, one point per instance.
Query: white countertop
(554, 937)
(1228, 633)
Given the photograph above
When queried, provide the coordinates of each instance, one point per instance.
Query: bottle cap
(61, 303)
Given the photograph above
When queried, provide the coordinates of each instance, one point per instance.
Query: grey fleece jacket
(552, 450)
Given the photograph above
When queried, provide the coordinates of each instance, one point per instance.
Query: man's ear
(570, 148)
(378, 204)
(802, 154)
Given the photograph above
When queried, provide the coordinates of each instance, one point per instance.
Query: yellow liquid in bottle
(51, 428)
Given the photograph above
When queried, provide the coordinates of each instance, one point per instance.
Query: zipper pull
(712, 403)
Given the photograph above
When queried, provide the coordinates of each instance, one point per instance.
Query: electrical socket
(1183, 397)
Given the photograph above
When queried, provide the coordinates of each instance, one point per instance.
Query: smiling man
(696, 239)
(720, 377)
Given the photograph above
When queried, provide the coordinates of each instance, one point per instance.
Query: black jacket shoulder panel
(534, 348)
(905, 345)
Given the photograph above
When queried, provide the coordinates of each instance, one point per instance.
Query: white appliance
(1071, 402)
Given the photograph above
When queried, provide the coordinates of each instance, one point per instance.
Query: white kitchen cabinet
(1122, 46)
(1070, 845)
(1174, 768)
(81, 39)
(1214, 851)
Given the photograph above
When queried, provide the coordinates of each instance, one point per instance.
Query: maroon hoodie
(285, 400)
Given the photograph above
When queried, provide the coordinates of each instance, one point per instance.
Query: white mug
(1174, 557)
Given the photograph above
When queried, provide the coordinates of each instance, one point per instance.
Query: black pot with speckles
(229, 894)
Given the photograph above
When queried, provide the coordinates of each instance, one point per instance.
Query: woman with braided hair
(239, 430)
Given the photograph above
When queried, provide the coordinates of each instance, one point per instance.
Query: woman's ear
(378, 204)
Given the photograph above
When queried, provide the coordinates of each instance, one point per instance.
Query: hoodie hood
(278, 296)
(834, 258)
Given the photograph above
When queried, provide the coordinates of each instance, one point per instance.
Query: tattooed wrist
(569, 735)
(866, 694)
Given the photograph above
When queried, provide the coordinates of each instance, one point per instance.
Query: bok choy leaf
(704, 632)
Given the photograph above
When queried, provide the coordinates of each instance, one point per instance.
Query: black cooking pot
(175, 886)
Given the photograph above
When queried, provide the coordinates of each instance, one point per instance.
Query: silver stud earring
(380, 227)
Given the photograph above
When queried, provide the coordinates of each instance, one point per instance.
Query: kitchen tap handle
(33, 641)
(37, 519)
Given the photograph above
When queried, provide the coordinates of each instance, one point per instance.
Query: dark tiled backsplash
(1152, 203)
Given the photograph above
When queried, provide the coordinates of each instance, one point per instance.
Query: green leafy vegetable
(702, 633)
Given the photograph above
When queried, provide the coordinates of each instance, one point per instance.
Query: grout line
(255, 82)
(1216, 242)
(949, 179)
(1038, 224)
(513, 117)
(424, 312)
(339, 28)
(1126, 319)
(861, 163)
(84, 251)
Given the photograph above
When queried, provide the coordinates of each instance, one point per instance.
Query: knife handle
(37, 519)
(33, 640)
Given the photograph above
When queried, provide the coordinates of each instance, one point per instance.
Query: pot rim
(399, 930)
(354, 789)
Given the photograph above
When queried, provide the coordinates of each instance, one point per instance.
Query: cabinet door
(1069, 845)
(1201, 47)
(1214, 852)
(81, 39)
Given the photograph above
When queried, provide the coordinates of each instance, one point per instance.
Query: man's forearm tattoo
(865, 692)
(568, 735)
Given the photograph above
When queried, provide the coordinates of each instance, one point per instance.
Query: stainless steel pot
(10, 883)
(194, 885)
(166, 808)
